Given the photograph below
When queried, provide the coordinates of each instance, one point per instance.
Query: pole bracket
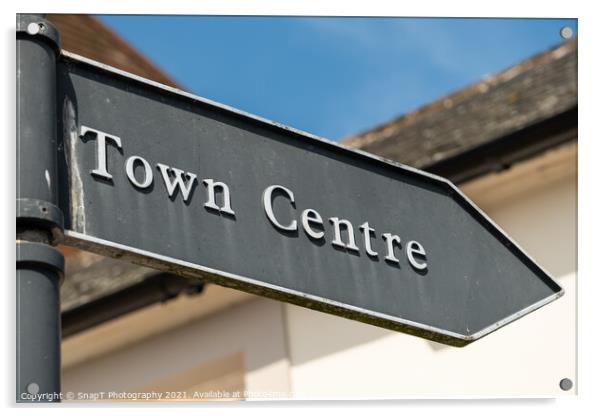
(40, 266)
(42, 214)
(36, 25)
(40, 255)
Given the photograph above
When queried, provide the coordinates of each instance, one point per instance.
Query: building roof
(539, 88)
(87, 36)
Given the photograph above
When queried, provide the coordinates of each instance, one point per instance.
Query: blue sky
(333, 77)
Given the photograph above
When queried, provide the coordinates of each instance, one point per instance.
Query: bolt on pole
(39, 221)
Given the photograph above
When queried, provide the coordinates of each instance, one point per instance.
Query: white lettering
(412, 248)
(101, 150)
(337, 234)
(367, 231)
(267, 206)
(310, 216)
(390, 240)
(226, 208)
(177, 182)
(148, 172)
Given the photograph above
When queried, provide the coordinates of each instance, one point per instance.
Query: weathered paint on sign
(170, 180)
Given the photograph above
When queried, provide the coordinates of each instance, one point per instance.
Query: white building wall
(245, 341)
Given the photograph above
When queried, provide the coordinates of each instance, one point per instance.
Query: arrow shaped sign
(170, 180)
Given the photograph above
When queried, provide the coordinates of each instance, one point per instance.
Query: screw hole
(566, 384)
(566, 32)
(33, 388)
(33, 28)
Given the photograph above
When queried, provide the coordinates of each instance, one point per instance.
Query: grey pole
(39, 220)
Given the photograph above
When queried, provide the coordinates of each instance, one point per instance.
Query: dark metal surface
(32, 254)
(36, 118)
(38, 321)
(476, 281)
(39, 222)
(40, 214)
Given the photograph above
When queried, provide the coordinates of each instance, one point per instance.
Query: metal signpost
(152, 175)
(39, 220)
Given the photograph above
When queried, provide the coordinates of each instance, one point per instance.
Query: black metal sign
(172, 181)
